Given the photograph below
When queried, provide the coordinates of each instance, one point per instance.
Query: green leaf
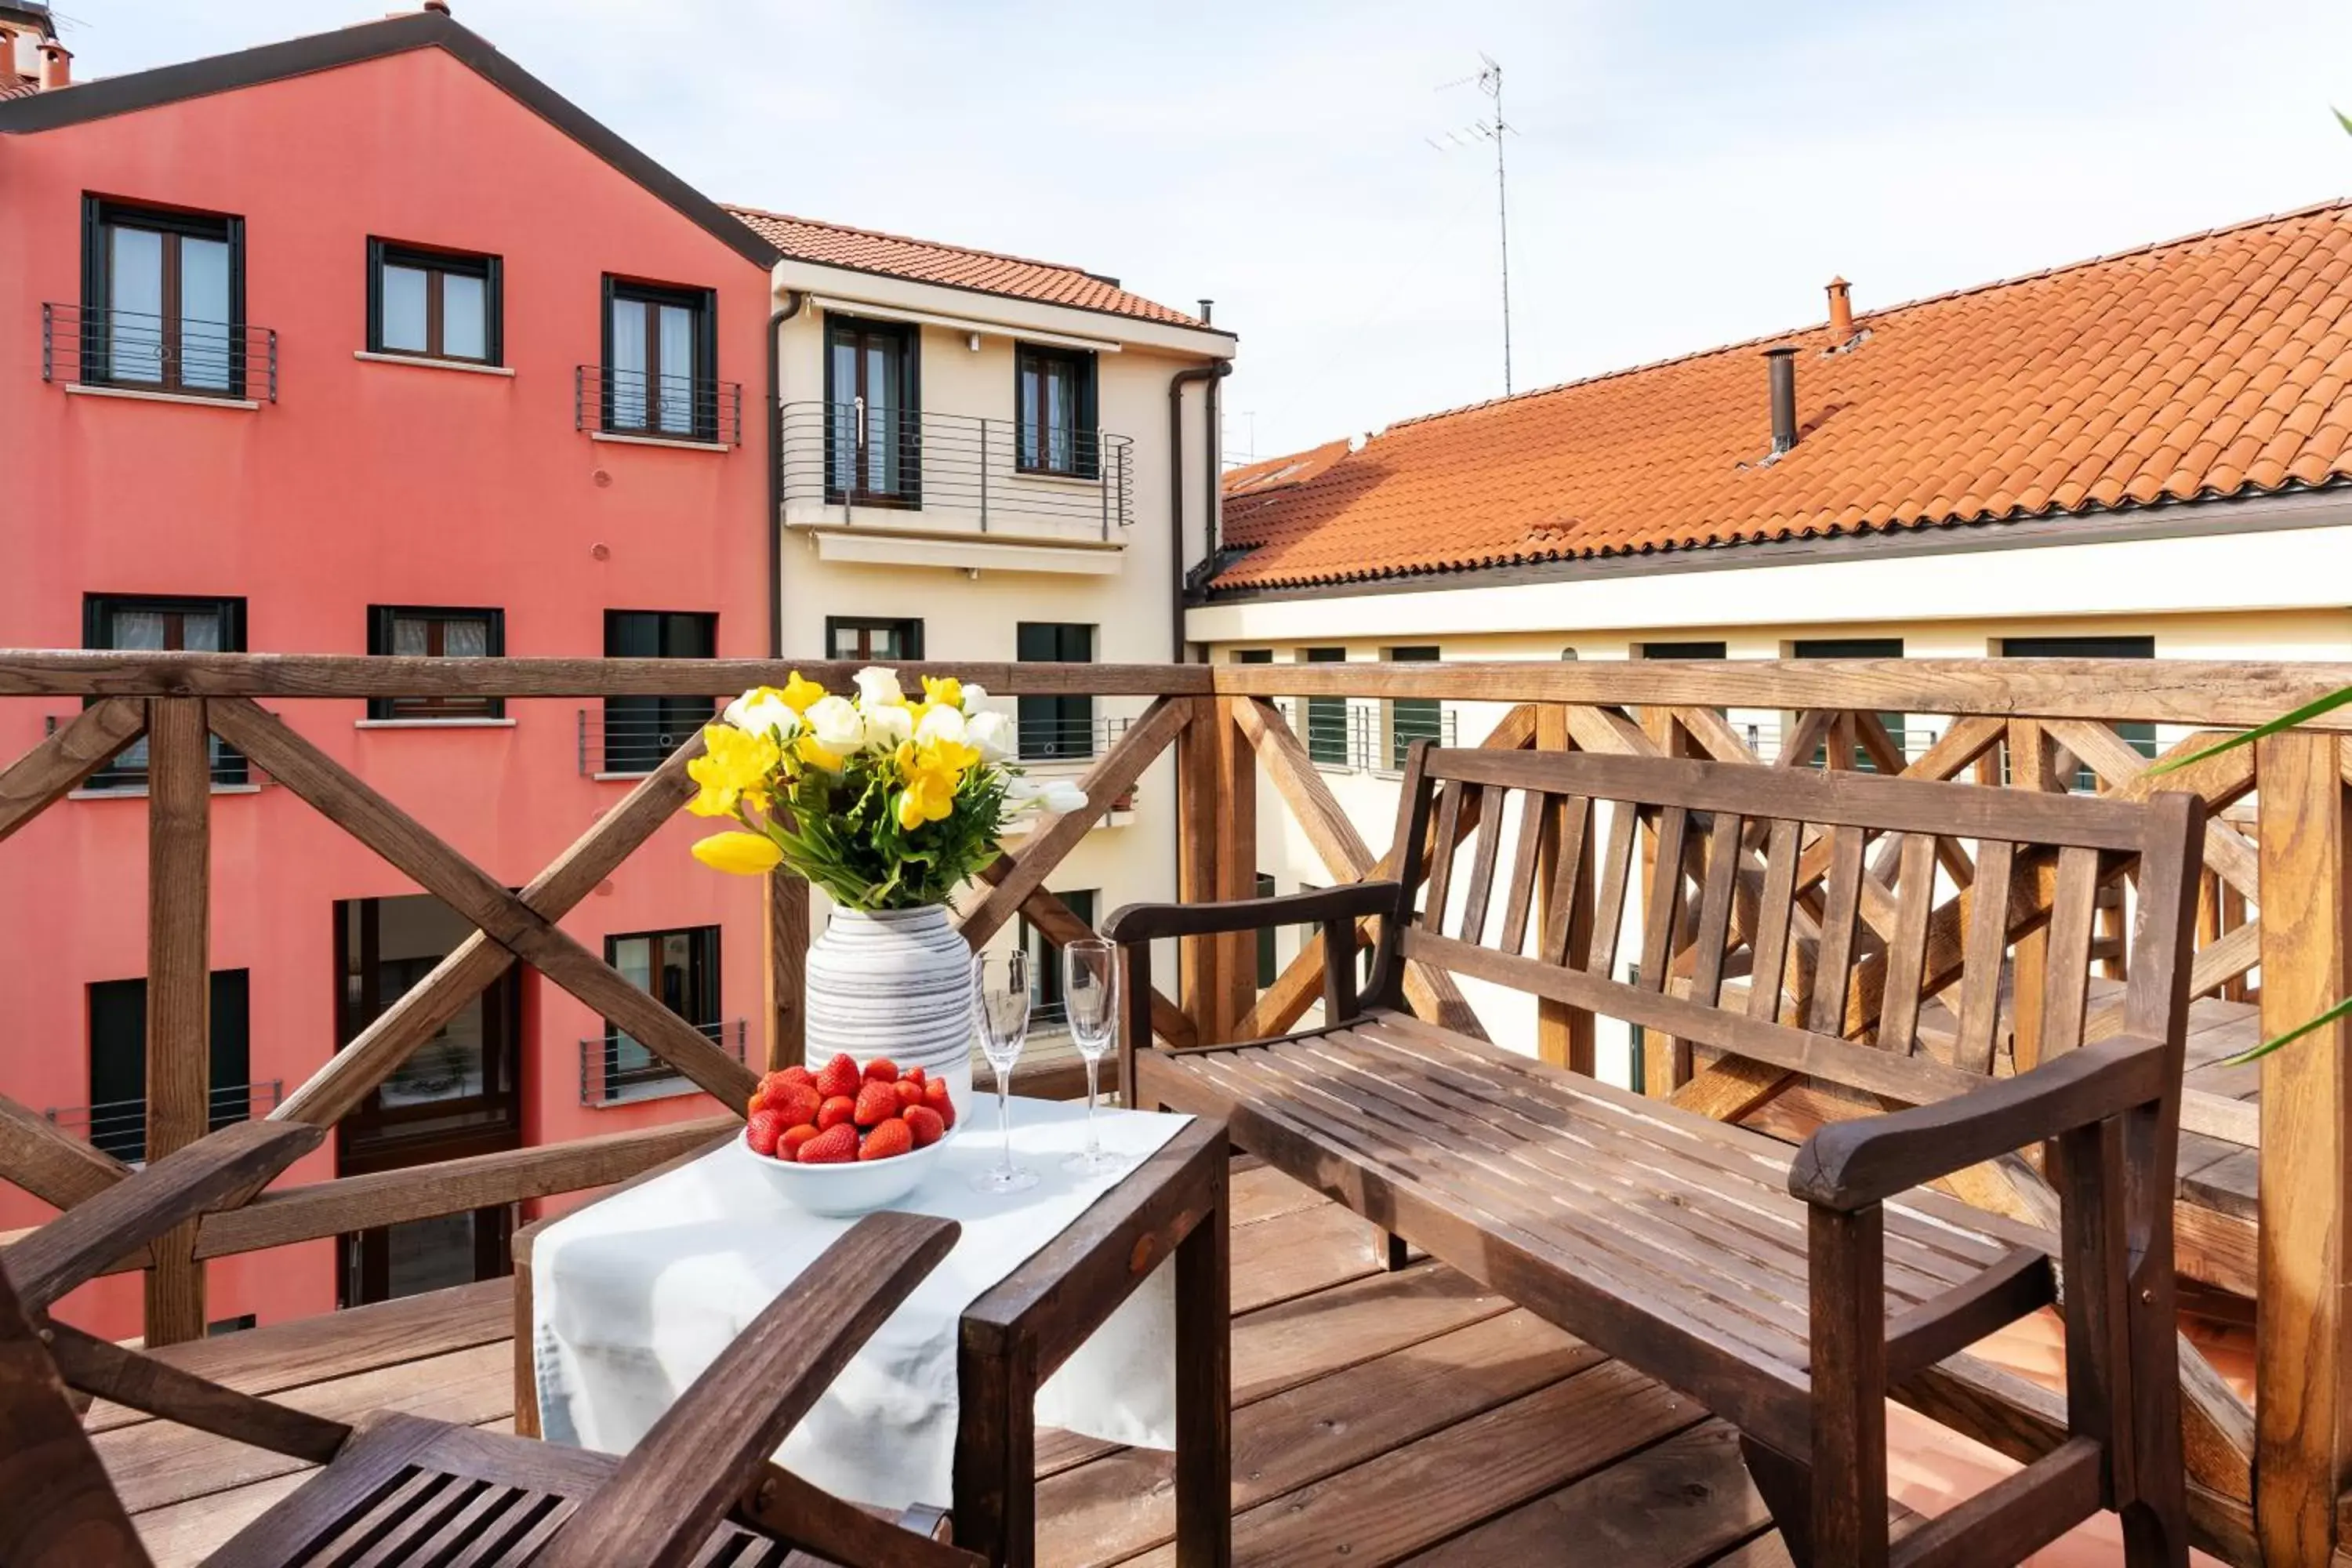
(2344, 120)
(2340, 1010)
(2309, 710)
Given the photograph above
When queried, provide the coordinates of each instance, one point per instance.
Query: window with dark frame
(414, 631)
(1326, 717)
(163, 300)
(433, 304)
(640, 733)
(873, 428)
(2138, 735)
(661, 357)
(882, 639)
(1057, 727)
(1412, 719)
(1054, 392)
(682, 968)
(1855, 648)
(118, 1060)
(1047, 996)
(149, 623)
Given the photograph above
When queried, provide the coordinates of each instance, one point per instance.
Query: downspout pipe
(794, 300)
(1211, 373)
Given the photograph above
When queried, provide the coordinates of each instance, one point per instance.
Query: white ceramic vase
(894, 983)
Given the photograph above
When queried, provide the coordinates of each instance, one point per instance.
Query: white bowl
(855, 1188)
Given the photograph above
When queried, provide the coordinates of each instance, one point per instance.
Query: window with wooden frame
(875, 639)
(681, 967)
(433, 304)
(413, 631)
(1054, 391)
(148, 622)
(1060, 727)
(661, 360)
(872, 428)
(163, 300)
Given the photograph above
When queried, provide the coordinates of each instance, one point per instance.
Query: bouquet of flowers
(884, 802)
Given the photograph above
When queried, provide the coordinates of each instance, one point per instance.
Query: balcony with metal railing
(627, 737)
(847, 466)
(142, 354)
(118, 1127)
(615, 1069)
(614, 402)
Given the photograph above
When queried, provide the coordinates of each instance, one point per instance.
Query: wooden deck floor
(1380, 1418)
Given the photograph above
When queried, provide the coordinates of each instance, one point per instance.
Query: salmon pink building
(366, 343)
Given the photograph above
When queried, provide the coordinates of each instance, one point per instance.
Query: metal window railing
(128, 771)
(662, 407)
(629, 737)
(119, 1127)
(614, 1070)
(1050, 738)
(145, 351)
(853, 455)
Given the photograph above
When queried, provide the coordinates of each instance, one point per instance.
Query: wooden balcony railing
(2275, 935)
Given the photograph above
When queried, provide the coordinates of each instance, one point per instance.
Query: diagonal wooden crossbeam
(55, 1167)
(43, 776)
(359, 810)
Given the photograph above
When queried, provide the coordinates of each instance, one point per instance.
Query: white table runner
(635, 1296)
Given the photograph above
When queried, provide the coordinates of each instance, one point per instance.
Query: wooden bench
(1788, 1288)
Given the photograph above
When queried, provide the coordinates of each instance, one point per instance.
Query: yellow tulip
(798, 693)
(946, 693)
(734, 766)
(743, 854)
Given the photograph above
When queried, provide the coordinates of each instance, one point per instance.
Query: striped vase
(894, 983)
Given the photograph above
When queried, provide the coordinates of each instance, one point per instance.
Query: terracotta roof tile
(23, 87)
(956, 266)
(2211, 366)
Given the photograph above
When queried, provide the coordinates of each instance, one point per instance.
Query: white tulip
(991, 734)
(836, 724)
(1062, 798)
(878, 688)
(760, 712)
(974, 694)
(886, 727)
(1020, 792)
(940, 724)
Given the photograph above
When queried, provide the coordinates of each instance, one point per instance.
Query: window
(1856, 647)
(640, 733)
(661, 354)
(1054, 391)
(2140, 737)
(888, 641)
(681, 967)
(148, 623)
(118, 1060)
(873, 435)
(1412, 719)
(414, 632)
(1046, 1001)
(1683, 650)
(163, 300)
(1268, 971)
(1327, 717)
(1056, 727)
(1252, 656)
(438, 304)
(230, 1325)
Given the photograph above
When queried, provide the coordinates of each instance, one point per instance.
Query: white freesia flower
(836, 724)
(974, 694)
(990, 733)
(1062, 798)
(878, 688)
(940, 724)
(1020, 792)
(886, 727)
(762, 710)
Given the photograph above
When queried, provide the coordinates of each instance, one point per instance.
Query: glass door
(873, 434)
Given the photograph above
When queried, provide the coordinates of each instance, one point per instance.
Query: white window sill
(186, 399)
(433, 724)
(620, 778)
(426, 362)
(139, 791)
(639, 1094)
(673, 442)
(1066, 481)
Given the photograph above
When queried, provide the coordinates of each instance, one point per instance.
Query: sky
(1681, 175)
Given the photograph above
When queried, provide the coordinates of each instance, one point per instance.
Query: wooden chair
(1788, 1288)
(399, 1491)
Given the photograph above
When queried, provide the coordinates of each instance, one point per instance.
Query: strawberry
(798, 1104)
(892, 1137)
(882, 1070)
(910, 1093)
(877, 1102)
(935, 1095)
(835, 1111)
(788, 1147)
(796, 1074)
(763, 1130)
(839, 1076)
(757, 1103)
(913, 1076)
(925, 1125)
(834, 1146)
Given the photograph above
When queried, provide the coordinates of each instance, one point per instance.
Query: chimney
(439, 7)
(10, 73)
(1782, 365)
(1840, 311)
(57, 66)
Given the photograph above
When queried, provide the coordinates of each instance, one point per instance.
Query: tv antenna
(1492, 128)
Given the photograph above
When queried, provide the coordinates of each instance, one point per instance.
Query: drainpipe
(1211, 373)
(776, 470)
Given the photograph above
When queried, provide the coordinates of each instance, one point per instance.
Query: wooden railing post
(2303, 1376)
(1564, 1033)
(1236, 864)
(1201, 774)
(785, 926)
(179, 987)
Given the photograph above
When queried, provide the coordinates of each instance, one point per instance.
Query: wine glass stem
(1005, 1117)
(1094, 1072)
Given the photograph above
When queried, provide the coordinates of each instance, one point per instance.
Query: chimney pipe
(57, 66)
(9, 72)
(1782, 365)
(439, 7)
(1208, 308)
(1840, 311)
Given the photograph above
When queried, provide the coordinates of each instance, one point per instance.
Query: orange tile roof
(23, 87)
(2217, 365)
(956, 266)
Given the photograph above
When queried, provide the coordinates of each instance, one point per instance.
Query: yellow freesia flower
(734, 766)
(812, 751)
(798, 693)
(743, 854)
(930, 796)
(947, 692)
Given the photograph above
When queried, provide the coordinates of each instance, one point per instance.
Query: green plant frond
(2308, 712)
(2344, 120)
(2341, 1009)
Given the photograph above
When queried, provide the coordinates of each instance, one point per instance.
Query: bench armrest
(1850, 1165)
(1350, 901)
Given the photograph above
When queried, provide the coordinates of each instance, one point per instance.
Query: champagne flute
(1001, 1003)
(1090, 995)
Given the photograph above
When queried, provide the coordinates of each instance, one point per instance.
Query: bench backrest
(1855, 907)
